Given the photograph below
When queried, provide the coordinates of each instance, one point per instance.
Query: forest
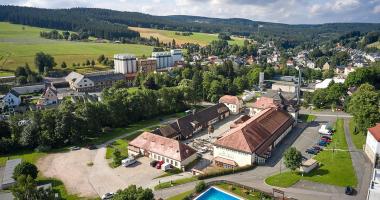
(110, 24)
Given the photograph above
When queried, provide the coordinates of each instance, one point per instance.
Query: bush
(25, 168)
(200, 186)
(42, 148)
(225, 172)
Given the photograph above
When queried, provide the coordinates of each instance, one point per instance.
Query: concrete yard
(94, 181)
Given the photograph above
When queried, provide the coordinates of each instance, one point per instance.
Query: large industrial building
(166, 60)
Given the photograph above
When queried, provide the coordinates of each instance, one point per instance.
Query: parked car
(327, 137)
(153, 163)
(203, 150)
(317, 148)
(108, 196)
(159, 164)
(91, 147)
(322, 143)
(128, 161)
(311, 151)
(349, 190)
(324, 131)
(326, 140)
(74, 148)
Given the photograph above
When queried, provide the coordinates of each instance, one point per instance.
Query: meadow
(19, 44)
(168, 36)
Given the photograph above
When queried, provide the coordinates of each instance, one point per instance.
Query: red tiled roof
(258, 133)
(264, 103)
(229, 99)
(375, 131)
(164, 146)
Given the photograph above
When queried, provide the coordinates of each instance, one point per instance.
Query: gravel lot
(94, 181)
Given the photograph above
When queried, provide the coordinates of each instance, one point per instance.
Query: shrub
(225, 172)
(25, 168)
(200, 186)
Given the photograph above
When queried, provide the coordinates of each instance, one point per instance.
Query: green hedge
(225, 172)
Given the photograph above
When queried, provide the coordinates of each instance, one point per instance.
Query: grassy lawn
(121, 145)
(175, 182)
(358, 138)
(180, 196)
(20, 46)
(29, 156)
(241, 192)
(168, 36)
(6, 73)
(170, 172)
(335, 166)
(307, 118)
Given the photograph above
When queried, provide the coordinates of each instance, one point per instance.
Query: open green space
(6, 73)
(175, 182)
(358, 137)
(26, 155)
(197, 38)
(246, 194)
(335, 165)
(180, 196)
(121, 145)
(19, 44)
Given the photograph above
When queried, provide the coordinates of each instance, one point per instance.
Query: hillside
(168, 36)
(19, 44)
(112, 24)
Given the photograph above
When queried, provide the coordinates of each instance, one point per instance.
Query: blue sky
(283, 11)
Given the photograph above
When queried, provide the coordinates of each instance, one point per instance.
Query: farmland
(19, 44)
(168, 36)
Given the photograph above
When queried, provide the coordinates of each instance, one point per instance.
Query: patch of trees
(222, 49)
(44, 62)
(65, 35)
(76, 123)
(25, 75)
(330, 97)
(224, 36)
(370, 75)
(133, 192)
(184, 33)
(292, 158)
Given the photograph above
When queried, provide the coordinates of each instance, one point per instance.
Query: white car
(128, 161)
(108, 196)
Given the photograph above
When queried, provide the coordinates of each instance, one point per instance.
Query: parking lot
(93, 181)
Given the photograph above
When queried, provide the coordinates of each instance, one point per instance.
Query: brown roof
(229, 99)
(225, 160)
(258, 133)
(375, 131)
(264, 103)
(240, 120)
(164, 146)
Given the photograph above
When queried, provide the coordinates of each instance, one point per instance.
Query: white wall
(241, 159)
(372, 147)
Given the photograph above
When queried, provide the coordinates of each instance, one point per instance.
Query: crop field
(168, 36)
(375, 44)
(19, 44)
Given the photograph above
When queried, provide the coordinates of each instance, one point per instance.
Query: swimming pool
(216, 194)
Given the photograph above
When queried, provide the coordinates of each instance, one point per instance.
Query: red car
(326, 140)
(159, 163)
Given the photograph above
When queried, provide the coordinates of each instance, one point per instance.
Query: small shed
(308, 165)
(7, 180)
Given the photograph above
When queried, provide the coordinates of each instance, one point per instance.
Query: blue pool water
(215, 194)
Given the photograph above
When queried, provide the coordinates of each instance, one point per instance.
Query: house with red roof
(372, 145)
(163, 149)
(252, 141)
(234, 103)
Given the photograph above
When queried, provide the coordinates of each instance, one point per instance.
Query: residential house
(310, 64)
(189, 125)
(93, 82)
(49, 97)
(348, 70)
(12, 99)
(290, 63)
(261, 104)
(161, 148)
(374, 186)
(372, 145)
(234, 103)
(253, 141)
(326, 66)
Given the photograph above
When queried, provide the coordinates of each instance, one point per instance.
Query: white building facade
(372, 145)
(125, 64)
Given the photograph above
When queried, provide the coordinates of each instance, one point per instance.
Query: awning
(225, 161)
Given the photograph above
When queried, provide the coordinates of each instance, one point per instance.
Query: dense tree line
(93, 23)
(111, 24)
(25, 75)
(76, 123)
(66, 35)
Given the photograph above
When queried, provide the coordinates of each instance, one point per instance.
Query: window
(85, 80)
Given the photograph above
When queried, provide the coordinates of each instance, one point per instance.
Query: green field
(335, 166)
(180, 196)
(19, 44)
(358, 138)
(168, 36)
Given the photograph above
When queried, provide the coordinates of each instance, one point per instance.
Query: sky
(282, 11)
